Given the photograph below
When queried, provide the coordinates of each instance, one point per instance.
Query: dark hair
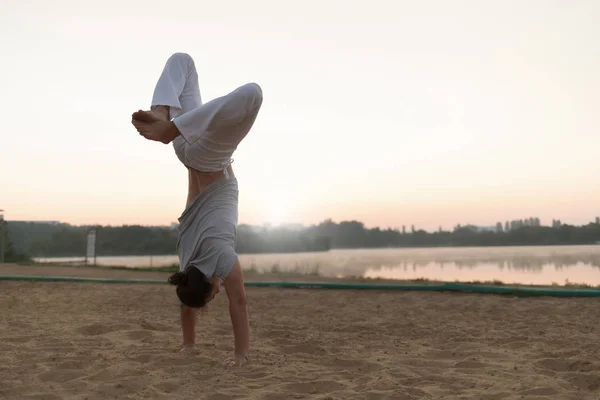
(192, 287)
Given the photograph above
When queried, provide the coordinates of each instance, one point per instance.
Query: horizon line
(408, 228)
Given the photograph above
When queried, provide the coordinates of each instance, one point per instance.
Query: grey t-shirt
(208, 229)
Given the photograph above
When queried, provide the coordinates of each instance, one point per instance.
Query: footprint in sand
(117, 371)
(143, 358)
(138, 335)
(583, 381)
(71, 365)
(314, 350)
(155, 326)
(542, 391)
(18, 339)
(42, 396)
(220, 396)
(470, 364)
(60, 375)
(255, 374)
(562, 365)
(166, 387)
(95, 329)
(180, 361)
(353, 364)
(315, 387)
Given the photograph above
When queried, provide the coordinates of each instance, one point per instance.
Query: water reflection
(545, 274)
(525, 263)
(537, 265)
(528, 265)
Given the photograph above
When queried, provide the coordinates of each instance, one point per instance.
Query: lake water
(542, 265)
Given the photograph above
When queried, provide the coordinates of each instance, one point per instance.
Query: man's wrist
(242, 353)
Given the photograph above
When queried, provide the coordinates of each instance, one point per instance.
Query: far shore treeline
(54, 239)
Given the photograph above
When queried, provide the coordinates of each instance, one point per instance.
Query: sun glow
(276, 205)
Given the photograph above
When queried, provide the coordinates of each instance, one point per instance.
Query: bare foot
(155, 125)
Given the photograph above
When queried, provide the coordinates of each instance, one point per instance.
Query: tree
(53, 240)
(10, 254)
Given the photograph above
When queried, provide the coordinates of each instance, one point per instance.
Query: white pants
(210, 132)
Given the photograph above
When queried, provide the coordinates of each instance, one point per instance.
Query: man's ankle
(162, 110)
(173, 132)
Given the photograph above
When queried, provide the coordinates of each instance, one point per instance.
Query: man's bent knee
(255, 91)
(183, 58)
(181, 55)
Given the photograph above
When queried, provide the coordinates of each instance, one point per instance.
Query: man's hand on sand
(238, 360)
(187, 350)
(155, 125)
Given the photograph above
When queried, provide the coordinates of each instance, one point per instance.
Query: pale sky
(390, 112)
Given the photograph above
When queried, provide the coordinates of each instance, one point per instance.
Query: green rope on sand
(445, 287)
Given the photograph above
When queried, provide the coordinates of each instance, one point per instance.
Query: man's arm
(238, 310)
(188, 327)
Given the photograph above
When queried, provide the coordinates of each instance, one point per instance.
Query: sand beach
(118, 341)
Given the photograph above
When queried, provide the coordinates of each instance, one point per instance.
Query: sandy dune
(96, 341)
